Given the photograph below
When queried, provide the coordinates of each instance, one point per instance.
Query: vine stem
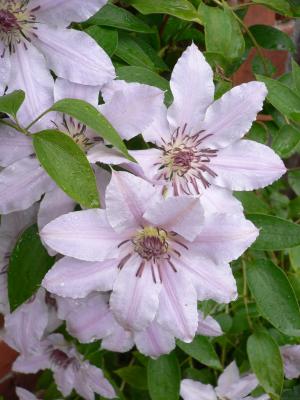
(38, 118)
(16, 127)
(245, 295)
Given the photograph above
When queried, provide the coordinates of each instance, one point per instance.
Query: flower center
(180, 159)
(151, 243)
(8, 21)
(60, 358)
(157, 248)
(16, 23)
(185, 161)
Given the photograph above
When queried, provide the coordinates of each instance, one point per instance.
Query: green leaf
(10, 103)
(67, 165)
(29, 263)
(272, 38)
(294, 255)
(117, 17)
(201, 350)
(164, 378)
(282, 97)
(275, 233)
(258, 132)
(294, 208)
(134, 375)
(282, 6)
(263, 66)
(130, 51)
(221, 88)
(252, 203)
(222, 32)
(296, 75)
(158, 62)
(106, 38)
(286, 141)
(144, 75)
(178, 8)
(294, 181)
(90, 116)
(266, 362)
(274, 296)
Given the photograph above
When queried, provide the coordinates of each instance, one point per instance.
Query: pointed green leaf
(68, 166)
(266, 362)
(272, 38)
(178, 8)
(275, 233)
(222, 32)
(10, 103)
(117, 17)
(282, 97)
(29, 263)
(201, 350)
(134, 375)
(274, 296)
(164, 378)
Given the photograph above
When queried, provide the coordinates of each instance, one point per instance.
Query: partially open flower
(26, 330)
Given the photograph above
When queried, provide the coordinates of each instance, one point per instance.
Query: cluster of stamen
(156, 247)
(60, 359)
(151, 243)
(17, 22)
(185, 161)
(78, 132)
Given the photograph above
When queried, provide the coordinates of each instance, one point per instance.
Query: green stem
(37, 119)
(16, 127)
(245, 295)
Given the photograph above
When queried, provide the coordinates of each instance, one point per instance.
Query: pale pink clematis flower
(11, 228)
(69, 368)
(199, 146)
(34, 39)
(291, 360)
(231, 386)
(23, 181)
(26, 331)
(91, 319)
(158, 256)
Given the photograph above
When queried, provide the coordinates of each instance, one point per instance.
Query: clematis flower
(231, 386)
(26, 331)
(69, 368)
(199, 146)
(23, 181)
(34, 39)
(91, 319)
(12, 226)
(291, 360)
(158, 256)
